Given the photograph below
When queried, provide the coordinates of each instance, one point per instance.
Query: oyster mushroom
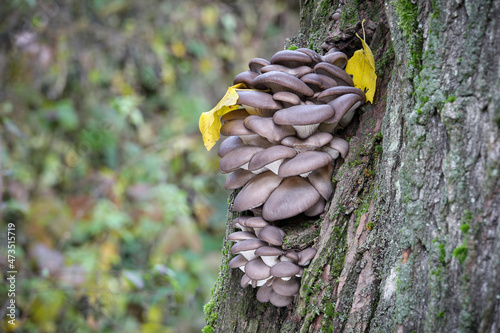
(256, 191)
(305, 119)
(304, 163)
(270, 158)
(247, 248)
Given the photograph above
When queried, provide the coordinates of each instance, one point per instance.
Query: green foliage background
(119, 209)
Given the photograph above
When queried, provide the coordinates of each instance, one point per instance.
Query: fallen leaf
(362, 68)
(210, 121)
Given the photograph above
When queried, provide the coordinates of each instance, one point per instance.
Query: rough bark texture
(410, 241)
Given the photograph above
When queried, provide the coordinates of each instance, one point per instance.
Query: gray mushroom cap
(290, 58)
(287, 98)
(305, 256)
(238, 262)
(313, 142)
(258, 102)
(235, 127)
(321, 179)
(247, 247)
(273, 235)
(279, 81)
(270, 155)
(284, 270)
(235, 114)
(316, 209)
(256, 64)
(304, 118)
(256, 191)
(241, 236)
(294, 196)
(304, 163)
(238, 178)
(336, 58)
(292, 255)
(315, 57)
(229, 144)
(267, 128)
(337, 73)
(286, 288)
(245, 281)
(264, 293)
(330, 94)
(296, 71)
(256, 269)
(279, 300)
(336, 16)
(268, 251)
(337, 144)
(246, 78)
(256, 222)
(303, 115)
(239, 222)
(237, 158)
(318, 82)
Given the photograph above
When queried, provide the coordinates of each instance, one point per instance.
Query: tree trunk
(410, 239)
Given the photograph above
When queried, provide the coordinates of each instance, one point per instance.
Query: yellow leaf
(210, 121)
(362, 68)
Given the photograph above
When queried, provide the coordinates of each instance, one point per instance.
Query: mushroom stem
(305, 131)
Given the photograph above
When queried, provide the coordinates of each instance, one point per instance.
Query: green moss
(451, 99)
(378, 149)
(465, 228)
(442, 254)
(468, 216)
(440, 314)
(408, 23)
(461, 252)
(292, 47)
(207, 329)
(370, 225)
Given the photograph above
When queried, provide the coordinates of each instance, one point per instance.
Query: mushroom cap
(306, 255)
(268, 251)
(247, 245)
(258, 99)
(290, 58)
(245, 281)
(256, 222)
(241, 236)
(240, 220)
(316, 209)
(303, 115)
(343, 105)
(284, 269)
(264, 293)
(279, 81)
(256, 64)
(303, 163)
(286, 288)
(286, 97)
(313, 142)
(337, 73)
(237, 157)
(235, 127)
(318, 82)
(256, 191)
(273, 235)
(238, 178)
(339, 144)
(293, 255)
(294, 196)
(336, 16)
(267, 128)
(246, 78)
(330, 94)
(256, 269)
(315, 57)
(321, 179)
(296, 71)
(238, 261)
(229, 144)
(270, 155)
(279, 300)
(235, 114)
(336, 58)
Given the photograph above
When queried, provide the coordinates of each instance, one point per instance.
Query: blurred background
(119, 209)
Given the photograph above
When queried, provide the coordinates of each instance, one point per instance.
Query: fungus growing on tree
(281, 151)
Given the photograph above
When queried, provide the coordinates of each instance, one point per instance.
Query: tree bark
(410, 239)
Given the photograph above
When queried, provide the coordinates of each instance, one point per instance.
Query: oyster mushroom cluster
(280, 149)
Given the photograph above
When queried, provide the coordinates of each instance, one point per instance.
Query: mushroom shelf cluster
(280, 150)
